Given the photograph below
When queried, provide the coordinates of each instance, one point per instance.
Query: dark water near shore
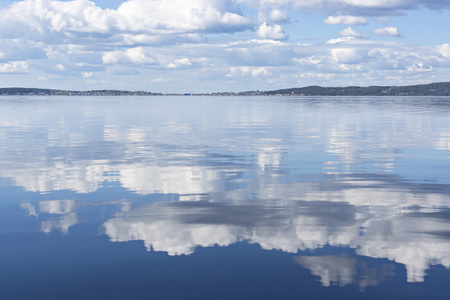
(224, 198)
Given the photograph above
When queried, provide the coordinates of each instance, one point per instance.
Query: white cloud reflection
(65, 211)
(344, 270)
(309, 174)
(417, 240)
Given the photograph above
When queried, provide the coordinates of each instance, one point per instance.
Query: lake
(192, 197)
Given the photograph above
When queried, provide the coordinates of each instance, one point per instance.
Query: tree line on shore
(432, 89)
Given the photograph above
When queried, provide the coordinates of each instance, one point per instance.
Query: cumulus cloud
(279, 16)
(137, 55)
(273, 32)
(348, 55)
(349, 32)
(180, 63)
(444, 50)
(78, 38)
(349, 20)
(181, 16)
(39, 19)
(87, 74)
(14, 67)
(387, 31)
(248, 71)
(274, 16)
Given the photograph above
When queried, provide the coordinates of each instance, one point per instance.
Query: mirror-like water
(224, 198)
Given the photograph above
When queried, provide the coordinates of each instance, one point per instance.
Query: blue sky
(222, 45)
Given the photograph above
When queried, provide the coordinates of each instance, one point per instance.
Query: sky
(195, 46)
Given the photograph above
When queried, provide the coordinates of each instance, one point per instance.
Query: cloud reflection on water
(164, 145)
(405, 235)
(297, 174)
(344, 270)
(62, 213)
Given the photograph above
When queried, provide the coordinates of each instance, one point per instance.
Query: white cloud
(36, 18)
(387, 31)
(39, 19)
(274, 32)
(138, 55)
(355, 7)
(348, 55)
(340, 40)
(382, 20)
(248, 71)
(180, 63)
(14, 67)
(278, 16)
(131, 39)
(87, 74)
(162, 80)
(349, 20)
(308, 60)
(156, 38)
(444, 50)
(349, 32)
(419, 67)
(347, 35)
(274, 16)
(178, 16)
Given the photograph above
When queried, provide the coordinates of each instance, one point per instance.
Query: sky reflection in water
(290, 174)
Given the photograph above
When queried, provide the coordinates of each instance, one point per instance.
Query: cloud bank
(60, 42)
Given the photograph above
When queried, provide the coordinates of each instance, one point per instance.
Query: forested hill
(432, 89)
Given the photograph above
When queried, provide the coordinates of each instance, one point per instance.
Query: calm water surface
(224, 198)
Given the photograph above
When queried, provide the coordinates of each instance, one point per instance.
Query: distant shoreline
(432, 89)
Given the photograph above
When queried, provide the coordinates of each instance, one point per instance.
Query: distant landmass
(432, 89)
(50, 92)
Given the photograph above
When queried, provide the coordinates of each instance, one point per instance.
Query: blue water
(224, 197)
